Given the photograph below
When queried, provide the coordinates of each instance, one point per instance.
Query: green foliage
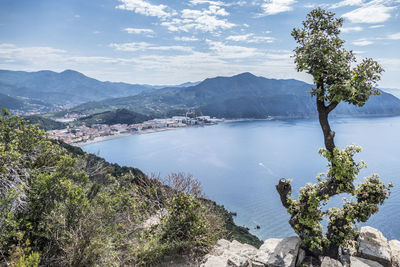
(185, 221)
(342, 167)
(45, 123)
(123, 116)
(190, 226)
(307, 211)
(21, 255)
(321, 54)
(62, 207)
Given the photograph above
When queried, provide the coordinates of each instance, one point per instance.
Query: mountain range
(241, 96)
(67, 88)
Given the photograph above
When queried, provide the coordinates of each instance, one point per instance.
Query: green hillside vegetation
(62, 207)
(10, 102)
(23, 99)
(239, 96)
(45, 123)
(122, 116)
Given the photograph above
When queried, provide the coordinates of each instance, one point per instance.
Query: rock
(239, 255)
(395, 252)
(373, 245)
(220, 247)
(350, 248)
(360, 262)
(227, 253)
(238, 261)
(310, 261)
(329, 262)
(246, 250)
(257, 264)
(301, 256)
(278, 252)
(215, 261)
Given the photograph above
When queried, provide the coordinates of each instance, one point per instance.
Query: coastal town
(82, 134)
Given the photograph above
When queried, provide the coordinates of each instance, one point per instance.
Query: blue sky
(171, 42)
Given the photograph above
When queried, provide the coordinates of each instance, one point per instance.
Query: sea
(239, 163)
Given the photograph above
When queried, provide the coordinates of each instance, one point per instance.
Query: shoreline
(156, 130)
(122, 135)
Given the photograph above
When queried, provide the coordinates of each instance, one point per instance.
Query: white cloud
(362, 43)
(358, 52)
(351, 29)
(231, 51)
(262, 39)
(309, 5)
(278, 56)
(250, 38)
(347, 3)
(206, 20)
(373, 12)
(212, 10)
(10, 51)
(391, 64)
(154, 68)
(130, 46)
(145, 8)
(139, 31)
(376, 26)
(210, 2)
(142, 46)
(238, 38)
(272, 7)
(185, 39)
(240, 3)
(217, 3)
(394, 36)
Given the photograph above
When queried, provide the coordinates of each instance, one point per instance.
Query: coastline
(155, 130)
(121, 135)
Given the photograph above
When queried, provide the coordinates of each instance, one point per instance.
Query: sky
(172, 42)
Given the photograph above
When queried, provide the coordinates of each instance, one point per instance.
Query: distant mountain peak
(245, 75)
(71, 72)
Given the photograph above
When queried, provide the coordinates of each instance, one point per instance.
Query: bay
(239, 163)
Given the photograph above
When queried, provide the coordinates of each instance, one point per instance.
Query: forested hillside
(62, 207)
(122, 116)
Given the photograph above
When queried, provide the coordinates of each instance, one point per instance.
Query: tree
(321, 54)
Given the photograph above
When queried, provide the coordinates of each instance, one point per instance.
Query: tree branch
(284, 188)
(332, 106)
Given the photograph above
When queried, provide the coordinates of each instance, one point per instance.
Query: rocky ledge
(370, 249)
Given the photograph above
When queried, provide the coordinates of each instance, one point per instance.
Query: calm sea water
(239, 163)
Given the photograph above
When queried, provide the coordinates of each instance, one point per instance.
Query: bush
(188, 227)
(63, 209)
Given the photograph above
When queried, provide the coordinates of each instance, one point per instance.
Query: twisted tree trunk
(329, 188)
(329, 135)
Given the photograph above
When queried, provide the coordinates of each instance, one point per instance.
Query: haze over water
(239, 163)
